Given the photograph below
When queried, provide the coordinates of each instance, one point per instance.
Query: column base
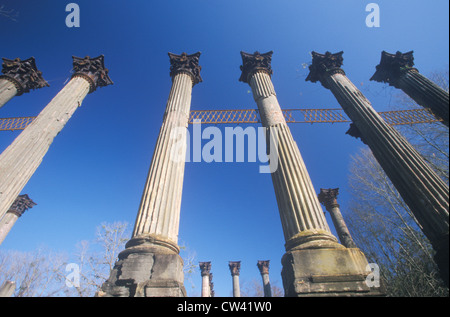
(146, 269)
(326, 272)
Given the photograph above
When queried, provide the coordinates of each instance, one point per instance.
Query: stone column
(18, 208)
(328, 198)
(211, 286)
(7, 289)
(151, 265)
(263, 267)
(397, 70)
(19, 77)
(421, 188)
(21, 159)
(235, 267)
(309, 240)
(205, 269)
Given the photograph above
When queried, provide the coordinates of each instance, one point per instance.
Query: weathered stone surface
(425, 193)
(188, 64)
(146, 274)
(23, 74)
(18, 208)
(304, 225)
(21, 159)
(7, 289)
(7, 91)
(205, 269)
(263, 267)
(93, 70)
(326, 272)
(235, 268)
(300, 212)
(397, 70)
(150, 264)
(328, 197)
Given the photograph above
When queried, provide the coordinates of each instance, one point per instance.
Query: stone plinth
(326, 272)
(304, 225)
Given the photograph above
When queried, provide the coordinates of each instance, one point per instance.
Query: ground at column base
(326, 273)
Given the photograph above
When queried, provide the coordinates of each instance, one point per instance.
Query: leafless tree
(254, 288)
(96, 259)
(36, 274)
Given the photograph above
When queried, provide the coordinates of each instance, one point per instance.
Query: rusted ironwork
(249, 116)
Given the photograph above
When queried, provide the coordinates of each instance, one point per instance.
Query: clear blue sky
(96, 168)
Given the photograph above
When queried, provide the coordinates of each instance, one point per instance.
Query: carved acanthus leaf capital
(186, 64)
(205, 268)
(252, 63)
(393, 66)
(263, 267)
(328, 197)
(21, 204)
(93, 70)
(235, 267)
(324, 65)
(23, 73)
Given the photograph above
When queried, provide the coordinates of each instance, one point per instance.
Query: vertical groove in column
(421, 188)
(300, 211)
(425, 93)
(159, 210)
(21, 159)
(7, 91)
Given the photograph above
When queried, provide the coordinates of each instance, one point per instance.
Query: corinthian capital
(252, 63)
(263, 267)
(324, 65)
(235, 267)
(186, 64)
(93, 70)
(205, 268)
(23, 73)
(21, 204)
(393, 66)
(327, 197)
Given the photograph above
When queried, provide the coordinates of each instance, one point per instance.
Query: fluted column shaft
(425, 93)
(6, 224)
(328, 198)
(159, 211)
(205, 269)
(263, 267)
(301, 216)
(7, 91)
(341, 228)
(21, 159)
(422, 189)
(397, 70)
(235, 267)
